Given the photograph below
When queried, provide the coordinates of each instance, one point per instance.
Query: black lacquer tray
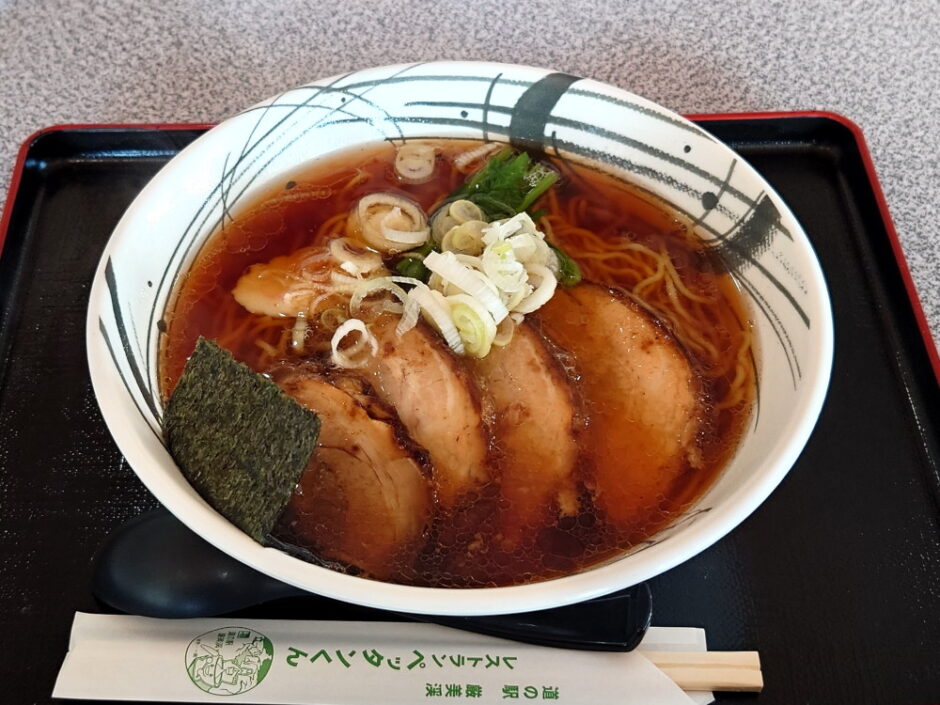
(835, 579)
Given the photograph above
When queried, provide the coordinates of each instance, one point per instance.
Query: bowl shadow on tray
(154, 566)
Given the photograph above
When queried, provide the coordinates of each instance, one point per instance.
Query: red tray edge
(20, 161)
(853, 128)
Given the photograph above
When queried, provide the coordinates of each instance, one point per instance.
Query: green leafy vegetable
(569, 273)
(414, 268)
(409, 266)
(508, 183)
(239, 440)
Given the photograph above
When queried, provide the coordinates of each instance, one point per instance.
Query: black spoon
(154, 566)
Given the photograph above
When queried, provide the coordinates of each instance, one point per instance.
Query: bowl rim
(586, 584)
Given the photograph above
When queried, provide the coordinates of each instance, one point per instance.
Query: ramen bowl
(601, 127)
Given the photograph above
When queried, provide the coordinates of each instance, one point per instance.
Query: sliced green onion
(464, 159)
(441, 223)
(298, 333)
(474, 323)
(545, 284)
(469, 281)
(343, 282)
(504, 331)
(350, 358)
(370, 286)
(391, 227)
(414, 162)
(501, 266)
(388, 222)
(354, 260)
(466, 238)
(409, 317)
(331, 318)
(502, 229)
(513, 299)
(435, 309)
(464, 211)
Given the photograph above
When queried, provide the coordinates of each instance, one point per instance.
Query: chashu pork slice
(641, 395)
(438, 403)
(288, 285)
(366, 498)
(534, 431)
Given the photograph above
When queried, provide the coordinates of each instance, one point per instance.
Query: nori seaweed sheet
(239, 440)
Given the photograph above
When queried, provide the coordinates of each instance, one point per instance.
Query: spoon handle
(154, 566)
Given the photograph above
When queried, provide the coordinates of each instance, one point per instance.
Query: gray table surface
(875, 61)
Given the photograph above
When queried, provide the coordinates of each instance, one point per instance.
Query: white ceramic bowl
(587, 121)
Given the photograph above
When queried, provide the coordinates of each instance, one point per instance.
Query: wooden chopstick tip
(734, 671)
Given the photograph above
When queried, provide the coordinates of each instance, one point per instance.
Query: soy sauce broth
(462, 547)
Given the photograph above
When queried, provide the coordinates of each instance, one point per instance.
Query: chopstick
(710, 670)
